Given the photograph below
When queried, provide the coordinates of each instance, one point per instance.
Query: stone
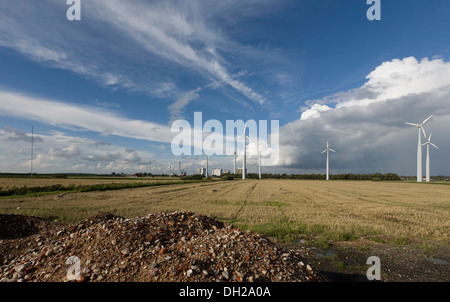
(168, 247)
(225, 275)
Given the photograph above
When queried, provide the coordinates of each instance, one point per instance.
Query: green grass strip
(56, 189)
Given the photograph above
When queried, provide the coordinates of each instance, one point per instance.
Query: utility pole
(32, 150)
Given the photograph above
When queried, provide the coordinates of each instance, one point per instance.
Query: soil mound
(161, 247)
(19, 226)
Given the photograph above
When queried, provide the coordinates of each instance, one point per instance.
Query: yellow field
(391, 209)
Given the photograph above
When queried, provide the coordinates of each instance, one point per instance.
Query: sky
(102, 93)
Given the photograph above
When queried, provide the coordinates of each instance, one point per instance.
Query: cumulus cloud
(366, 125)
(314, 111)
(67, 152)
(108, 157)
(62, 153)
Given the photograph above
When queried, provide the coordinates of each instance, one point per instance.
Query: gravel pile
(161, 247)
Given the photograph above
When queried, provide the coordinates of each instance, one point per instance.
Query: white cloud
(176, 108)
(160, 36)
(366, 126)
(314, 111)
(73, 116)
(177, 33)
(59, 152)
(67, 152)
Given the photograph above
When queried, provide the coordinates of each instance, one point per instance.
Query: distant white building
(239, 171)
(217, 172)
(202, 171)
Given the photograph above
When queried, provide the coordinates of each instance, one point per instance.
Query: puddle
(436, 261)
(325, 254)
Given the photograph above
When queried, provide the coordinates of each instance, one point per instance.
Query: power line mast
(32, 150)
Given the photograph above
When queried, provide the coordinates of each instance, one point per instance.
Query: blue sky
(103, 92)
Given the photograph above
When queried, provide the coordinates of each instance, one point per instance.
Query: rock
(22, 267)
(168, 247)
(225, 275)
(153, 272)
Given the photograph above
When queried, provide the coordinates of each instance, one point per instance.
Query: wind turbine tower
(32, 150)
(419, 147)
(428, 143)
(328, 159)
(259, 166)
(244, 162)
(207, 159)
(234, 158)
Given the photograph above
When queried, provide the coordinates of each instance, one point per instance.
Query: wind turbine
(419, 147)
(244, 162)
(328, 159)
(207, 159)
(259, 166)
(154, 167)
(170, 170)
(234, 158)
(428, 143)
(150, 167)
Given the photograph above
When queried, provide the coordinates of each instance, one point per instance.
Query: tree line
(374, 176)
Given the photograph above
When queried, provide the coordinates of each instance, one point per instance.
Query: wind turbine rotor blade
(423, 130)
(412, 124)
(332, 150)
(324, 151)
(427, 119)
(434, 145)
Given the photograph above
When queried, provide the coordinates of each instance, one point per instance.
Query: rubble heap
(161, 247)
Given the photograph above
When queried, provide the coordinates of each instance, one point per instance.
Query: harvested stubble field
(358, 217)
(7, 183)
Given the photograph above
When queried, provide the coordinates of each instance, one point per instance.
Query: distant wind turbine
(207, 159)
(259, 166)
(419, 147)
(234, 158)
(328, 159)
(170, 170)
(244, 161)
(428, 143)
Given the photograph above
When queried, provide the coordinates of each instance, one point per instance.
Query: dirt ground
(346, 261)
(343, 261)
